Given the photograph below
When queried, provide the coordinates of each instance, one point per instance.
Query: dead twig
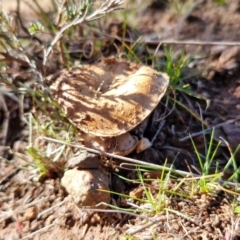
(106, 7)
(131, 160)
(159, 42)
(190, 42)
(6, 120)
(40, 230)
(208, 130)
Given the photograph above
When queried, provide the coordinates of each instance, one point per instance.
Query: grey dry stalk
(107, 7)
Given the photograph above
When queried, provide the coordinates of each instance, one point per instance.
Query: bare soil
(32, 209)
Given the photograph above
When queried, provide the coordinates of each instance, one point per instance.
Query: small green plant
(175, 68)
(237, 210)
(232, 163)
(206, 162)
(36, 28)
(160, 200)
(126, 237)
(220, 2)
(157, 193)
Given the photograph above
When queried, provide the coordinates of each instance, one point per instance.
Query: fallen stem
(135, 161)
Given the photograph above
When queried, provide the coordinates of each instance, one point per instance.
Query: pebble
(84, 160)
(137, 192)
(34, 225)
(30, 213)
(85, 185)
(49, 220)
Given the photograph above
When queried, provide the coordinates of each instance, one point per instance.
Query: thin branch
(191, 42)
(106, 7)
(205, 131)
(146, 40)
(131, 160)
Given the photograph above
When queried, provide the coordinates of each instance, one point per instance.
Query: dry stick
(60, 9)
(40, 230)
(206, 130)
(193, 42)
(34, 203)
(123, 212)
(140, 228)
(11, 58)
(170, 41)
(10, 174)
(175, 149)
(116, 156)
(152, 222)
(160, 127)
(155, 53)
(131, 160)
(51, 208)
(196, 229)
(105, 8)
(5, 124)
(59, 35)
(92, 210)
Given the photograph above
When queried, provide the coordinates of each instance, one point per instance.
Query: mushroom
(108, 99)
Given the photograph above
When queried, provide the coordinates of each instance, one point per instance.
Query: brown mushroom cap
(108, 98)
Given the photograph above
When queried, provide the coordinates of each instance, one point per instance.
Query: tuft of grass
(206, 163)
(232, 163)
(157, 192)
(207, 160)
(175, 68)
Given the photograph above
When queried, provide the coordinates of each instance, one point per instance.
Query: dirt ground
(32, 209)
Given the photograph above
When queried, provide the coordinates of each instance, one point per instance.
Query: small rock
(137, 192)
(34, 225)
(84, 160)
(237, 92)
(143, 144)
(85, 186)
(30, 214)
(49, 220)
